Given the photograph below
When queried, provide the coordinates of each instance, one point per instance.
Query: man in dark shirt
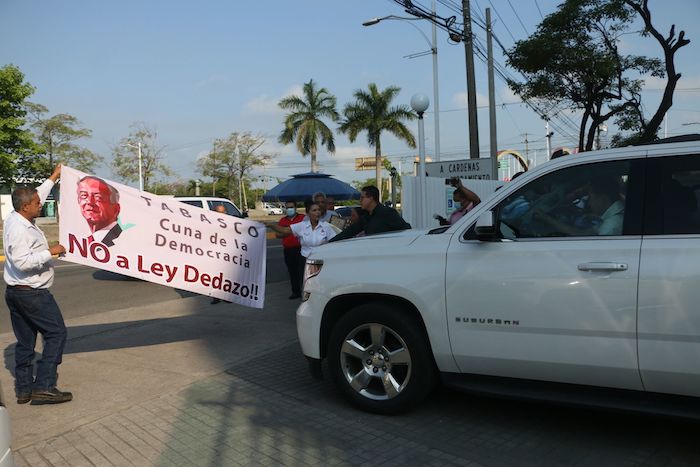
(379, 218)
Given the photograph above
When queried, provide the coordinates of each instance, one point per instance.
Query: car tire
(380, 360)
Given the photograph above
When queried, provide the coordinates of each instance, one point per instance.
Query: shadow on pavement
(269, 410)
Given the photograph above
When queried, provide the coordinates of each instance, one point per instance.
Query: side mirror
(485, 228)
(244, 214)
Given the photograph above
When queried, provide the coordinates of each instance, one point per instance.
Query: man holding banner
(28, 275)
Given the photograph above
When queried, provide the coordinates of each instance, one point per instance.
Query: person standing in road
(379, 218)
(311, 232)
(320, 199)
(28, 275)
(292, 249)
(330, 204)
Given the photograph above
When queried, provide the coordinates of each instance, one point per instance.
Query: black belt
(20, 287)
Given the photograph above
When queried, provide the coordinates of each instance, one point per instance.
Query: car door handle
(602, 266)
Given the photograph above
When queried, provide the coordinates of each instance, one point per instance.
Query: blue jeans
(35, 311)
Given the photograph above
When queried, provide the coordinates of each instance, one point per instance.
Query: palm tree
(372, 112)
(303, 122)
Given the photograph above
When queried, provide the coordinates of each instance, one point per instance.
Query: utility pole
(527, 152)
(471, 84)
(492, 97)
(436, 95)
(140, 168)
(549, 139)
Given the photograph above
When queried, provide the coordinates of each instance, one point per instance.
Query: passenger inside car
(571, 202)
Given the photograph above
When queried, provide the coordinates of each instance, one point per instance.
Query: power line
(448, 24)
(538, 9)
(518, 17)
(502, 22)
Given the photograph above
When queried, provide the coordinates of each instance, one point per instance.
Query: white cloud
(686, 82)
(460, 100)
(353, 151)
(507, 96)
(211, 80)
(265, 104)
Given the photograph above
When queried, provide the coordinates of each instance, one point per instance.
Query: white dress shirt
(327, 216)
(310, 237)
(27, 256)
(612, 219)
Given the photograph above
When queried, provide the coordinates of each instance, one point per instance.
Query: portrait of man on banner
(99, 205)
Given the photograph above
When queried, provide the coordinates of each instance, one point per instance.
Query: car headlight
(311, 269)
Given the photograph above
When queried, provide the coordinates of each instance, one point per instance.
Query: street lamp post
(420, 103)
(433, 52)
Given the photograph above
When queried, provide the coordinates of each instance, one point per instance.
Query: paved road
(81, 290)
(189, 383)
(179, 381)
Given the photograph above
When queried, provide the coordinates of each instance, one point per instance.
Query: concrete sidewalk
(116, 361)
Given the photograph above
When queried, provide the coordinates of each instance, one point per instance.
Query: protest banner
(159, 239)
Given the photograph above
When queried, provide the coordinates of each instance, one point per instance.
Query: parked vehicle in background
(577, 282)
(6, 459)
(344, 211)
(272, 209)
(211, 203)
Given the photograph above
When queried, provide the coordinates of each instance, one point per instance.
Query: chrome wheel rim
(375, 361)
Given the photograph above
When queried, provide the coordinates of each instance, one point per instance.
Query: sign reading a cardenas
(470, 169)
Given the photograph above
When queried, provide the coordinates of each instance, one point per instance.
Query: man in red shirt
(292, 249)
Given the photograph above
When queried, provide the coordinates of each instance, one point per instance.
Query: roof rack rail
(673, 139)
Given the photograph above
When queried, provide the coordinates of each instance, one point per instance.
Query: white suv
(211, 204)
(581, 275)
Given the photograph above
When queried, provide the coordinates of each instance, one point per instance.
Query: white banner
(120, 229)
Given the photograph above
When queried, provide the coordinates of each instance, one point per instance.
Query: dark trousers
(35, 311)
(295, 266)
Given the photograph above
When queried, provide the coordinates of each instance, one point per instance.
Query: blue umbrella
(303, 186)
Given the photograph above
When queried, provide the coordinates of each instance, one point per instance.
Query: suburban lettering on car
(503, 322)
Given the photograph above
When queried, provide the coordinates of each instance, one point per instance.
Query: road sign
(366, 163)
(470, 169)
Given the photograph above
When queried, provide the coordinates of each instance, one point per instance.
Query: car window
(192, 202)
(584, 200)
(230, 208)
(672, 198)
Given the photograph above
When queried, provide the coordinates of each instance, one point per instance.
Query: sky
(197, 71)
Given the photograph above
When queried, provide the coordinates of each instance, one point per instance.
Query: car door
(669, 277)
(554, 297)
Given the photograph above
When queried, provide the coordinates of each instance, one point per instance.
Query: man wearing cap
(29, 274)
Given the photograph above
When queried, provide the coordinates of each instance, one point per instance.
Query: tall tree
(372, 112)
(125, 163)
(231, 159)
(303, 123)
(573, 59)
(56, 138)
(15, 139)
(647, 130)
